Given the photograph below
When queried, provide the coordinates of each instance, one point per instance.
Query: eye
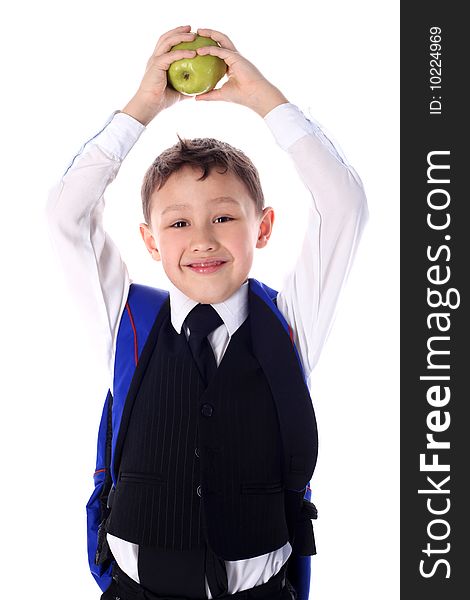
(228, 219)
(178, 224)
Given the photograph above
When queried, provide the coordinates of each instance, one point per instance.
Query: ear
(265, 227)
(149, 241)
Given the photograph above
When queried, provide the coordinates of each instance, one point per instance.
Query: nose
(202, 240)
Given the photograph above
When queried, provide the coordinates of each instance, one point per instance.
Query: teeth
(218, 262)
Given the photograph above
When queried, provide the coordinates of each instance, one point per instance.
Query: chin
(212, 296)
(208, 298)
(206, 291)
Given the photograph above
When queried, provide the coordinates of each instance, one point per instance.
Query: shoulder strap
(269, 296)
(299, 509)
(142, 307)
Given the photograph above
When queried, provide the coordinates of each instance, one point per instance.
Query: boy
(213, 454)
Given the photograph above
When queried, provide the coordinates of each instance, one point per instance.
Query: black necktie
(202, 320)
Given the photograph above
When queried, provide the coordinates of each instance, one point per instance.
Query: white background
(65, 67)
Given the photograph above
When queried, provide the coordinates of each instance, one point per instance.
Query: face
(205, 233)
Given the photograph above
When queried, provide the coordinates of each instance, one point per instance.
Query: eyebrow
(219, 200)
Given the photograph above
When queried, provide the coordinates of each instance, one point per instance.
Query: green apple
(196, 75)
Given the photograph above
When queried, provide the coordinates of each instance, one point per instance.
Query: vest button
(207, 410)
(196, 452)
(199, 491)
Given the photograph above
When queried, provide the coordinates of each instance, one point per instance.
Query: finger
(217, 36)
(167, 44)
(229, 56)
(165, 60)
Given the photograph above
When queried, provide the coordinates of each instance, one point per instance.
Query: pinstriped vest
(214, 464)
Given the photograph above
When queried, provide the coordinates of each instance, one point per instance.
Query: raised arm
(94, 269)
(336, 217)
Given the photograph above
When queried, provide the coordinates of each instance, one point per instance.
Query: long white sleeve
(336, 217)
(93, 265)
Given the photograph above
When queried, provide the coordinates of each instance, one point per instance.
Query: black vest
(211, 464)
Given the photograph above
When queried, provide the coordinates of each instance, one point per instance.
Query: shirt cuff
(288, 124)
(119, 135)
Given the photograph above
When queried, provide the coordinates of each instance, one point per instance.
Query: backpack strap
(142, 307)
(97, 512)
(299, 510)
(141, 310)
(266, 293)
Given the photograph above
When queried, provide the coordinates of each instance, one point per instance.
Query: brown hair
(205, 153)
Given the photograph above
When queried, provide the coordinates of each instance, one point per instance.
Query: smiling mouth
(207, 266)
(206, 263)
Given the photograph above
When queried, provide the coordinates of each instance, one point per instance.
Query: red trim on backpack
(136, 347)
(99, 471)
(291, 333)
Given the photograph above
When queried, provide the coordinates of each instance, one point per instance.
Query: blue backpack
(142, 307)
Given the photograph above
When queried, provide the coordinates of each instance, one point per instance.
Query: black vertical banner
(435, 333)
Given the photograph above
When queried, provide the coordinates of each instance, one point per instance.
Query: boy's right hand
(154, 93)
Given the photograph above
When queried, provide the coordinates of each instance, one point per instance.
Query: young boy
(215, 444)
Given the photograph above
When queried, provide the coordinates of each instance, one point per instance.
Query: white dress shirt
(100, 281)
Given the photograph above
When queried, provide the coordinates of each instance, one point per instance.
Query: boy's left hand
(245, 85)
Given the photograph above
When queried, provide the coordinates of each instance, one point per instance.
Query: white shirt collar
(233, 311)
